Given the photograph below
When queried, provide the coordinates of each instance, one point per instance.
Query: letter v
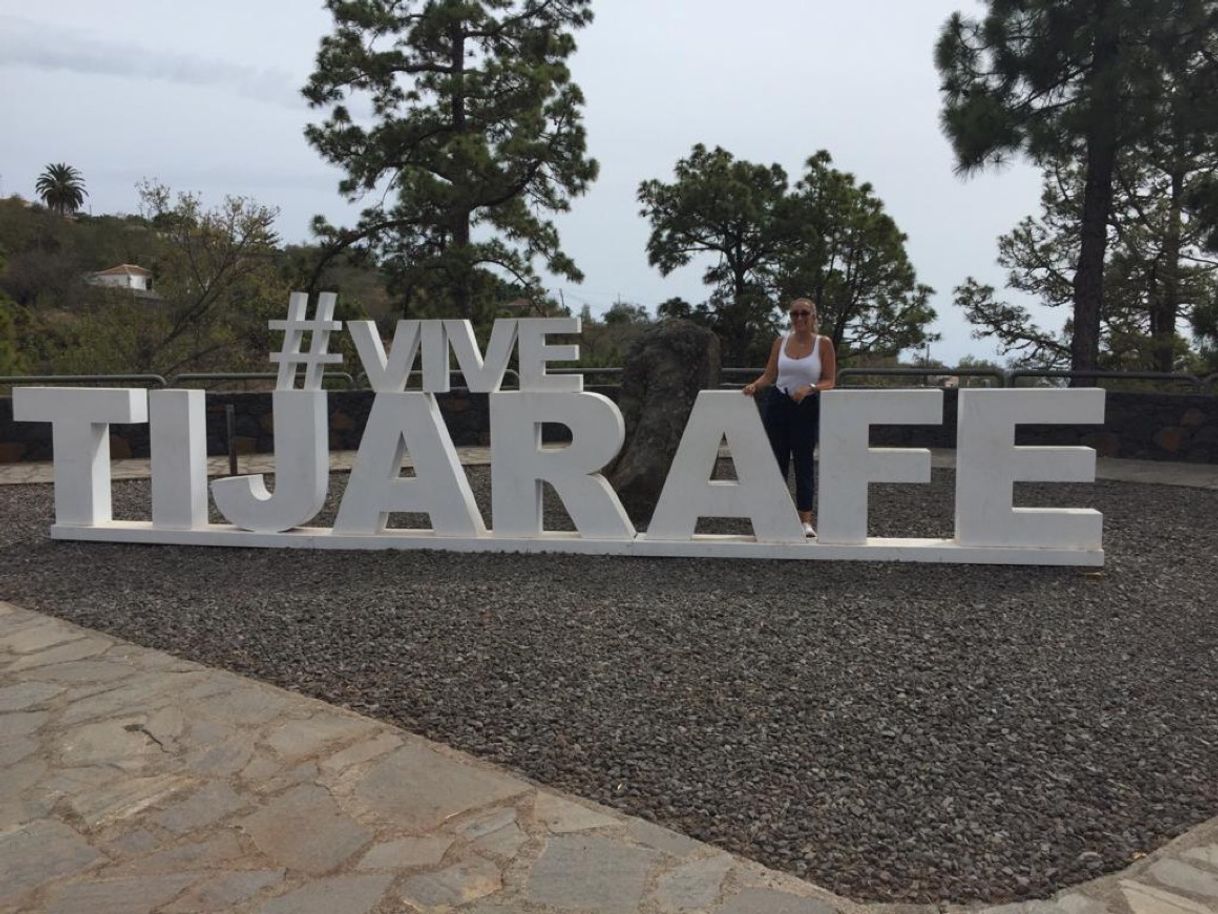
(482, 377)
(386, 374)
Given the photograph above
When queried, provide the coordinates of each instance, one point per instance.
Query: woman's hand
(749, 389)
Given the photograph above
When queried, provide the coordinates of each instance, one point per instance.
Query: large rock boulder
(665, 368)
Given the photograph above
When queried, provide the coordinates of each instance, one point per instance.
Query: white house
(124, 276)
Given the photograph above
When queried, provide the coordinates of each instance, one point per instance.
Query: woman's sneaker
(809, 530)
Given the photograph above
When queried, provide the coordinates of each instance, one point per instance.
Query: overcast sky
(205, 97)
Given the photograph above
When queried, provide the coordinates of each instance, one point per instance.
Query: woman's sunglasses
(801, 314)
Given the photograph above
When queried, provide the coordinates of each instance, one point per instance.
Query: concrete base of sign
(700, 546)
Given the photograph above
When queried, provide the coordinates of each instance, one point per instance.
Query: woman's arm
(828, 365)
(769, 376)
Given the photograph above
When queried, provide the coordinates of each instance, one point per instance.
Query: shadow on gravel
(891, 732)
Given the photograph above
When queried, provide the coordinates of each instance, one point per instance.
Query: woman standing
(802, 364)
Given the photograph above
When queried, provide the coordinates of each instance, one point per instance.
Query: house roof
(124, 269)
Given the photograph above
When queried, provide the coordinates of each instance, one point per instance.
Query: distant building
(124, 276)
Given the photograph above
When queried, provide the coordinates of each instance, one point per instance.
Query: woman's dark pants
(793, 429)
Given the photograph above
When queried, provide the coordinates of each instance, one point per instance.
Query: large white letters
(988, 463)
(80, 434)
(178, 433)
(389, 373)
(482, 376)
(302, 469)
(848, 462)
(401, 421)
(535, 352)
(520, 464)
(386, 374)
(758, 492)
(988, 528)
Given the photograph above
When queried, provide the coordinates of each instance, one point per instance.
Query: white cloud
(42, 46)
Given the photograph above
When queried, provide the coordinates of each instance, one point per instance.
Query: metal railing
(20, 380)
(191, 377)
(739, 376)
(1172, 376)
(1003, 378)
(846, 374)
(576, 369)
(997, 374)
(742, 377)
(453, 374)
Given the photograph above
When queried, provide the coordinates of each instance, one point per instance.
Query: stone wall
(1141, 425)
(1145, 426)
(466, 415)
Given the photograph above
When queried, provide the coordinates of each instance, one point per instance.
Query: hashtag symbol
(294, 329)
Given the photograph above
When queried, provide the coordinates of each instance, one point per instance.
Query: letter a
(758, 493)
(401, 421)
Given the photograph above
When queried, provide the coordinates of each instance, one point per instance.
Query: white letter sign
(179, 458)
(758, 492)
(988, 527)
(80, 433)
(519, 463)
(302, 473)
(535, 353)
(400, 422)
(988, 464)
(848, 462)
(386, 374)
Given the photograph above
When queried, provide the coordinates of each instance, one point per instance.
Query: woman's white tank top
(793, 373)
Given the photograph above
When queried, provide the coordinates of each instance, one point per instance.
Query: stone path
(1195, 475)
(132, 782)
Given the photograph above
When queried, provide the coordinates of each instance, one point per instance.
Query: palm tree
(61, 188)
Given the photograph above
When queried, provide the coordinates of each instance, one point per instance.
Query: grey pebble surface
(891, 732)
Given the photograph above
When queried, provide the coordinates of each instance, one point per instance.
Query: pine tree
(473, 130)
(734, 211)
(828, 237)
(1156, 270)
(849, 255)
(1060, 79)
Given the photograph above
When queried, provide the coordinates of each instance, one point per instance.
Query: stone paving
(132, 782)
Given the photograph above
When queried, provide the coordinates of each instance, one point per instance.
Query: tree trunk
(738, 332)
(1167, 307)
(1089, 277)
(1097, 202)
(839, 335)
(462, 280)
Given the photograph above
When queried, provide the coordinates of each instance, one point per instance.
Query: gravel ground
(891, 732)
